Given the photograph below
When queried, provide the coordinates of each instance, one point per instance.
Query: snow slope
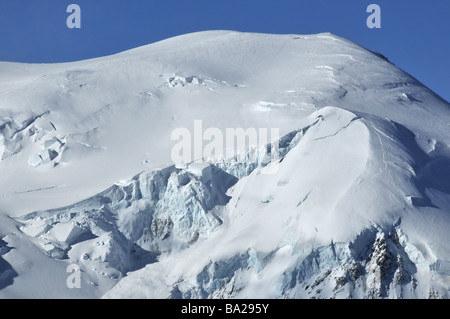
(355, 205)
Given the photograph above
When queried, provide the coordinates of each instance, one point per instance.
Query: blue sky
(414, 34)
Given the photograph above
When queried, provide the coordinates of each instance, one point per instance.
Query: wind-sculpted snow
(352, 201)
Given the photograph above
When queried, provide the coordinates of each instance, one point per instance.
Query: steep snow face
(355, 204)
(322, 225)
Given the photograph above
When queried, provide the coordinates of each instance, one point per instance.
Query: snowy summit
(353, 201)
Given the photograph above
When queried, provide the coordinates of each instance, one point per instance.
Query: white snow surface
(356, 205)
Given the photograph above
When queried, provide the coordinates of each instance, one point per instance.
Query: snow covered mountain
(354, 201)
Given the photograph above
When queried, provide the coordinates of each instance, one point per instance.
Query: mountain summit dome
(354, 201)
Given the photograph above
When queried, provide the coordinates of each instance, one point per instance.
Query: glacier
(356, 204)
